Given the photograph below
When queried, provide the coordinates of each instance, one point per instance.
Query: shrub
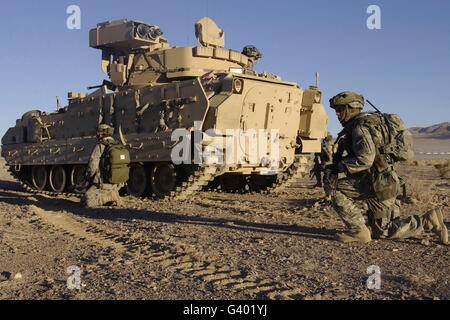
(444, 169)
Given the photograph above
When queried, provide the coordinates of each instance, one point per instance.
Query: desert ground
(215, 246)
(429, 148)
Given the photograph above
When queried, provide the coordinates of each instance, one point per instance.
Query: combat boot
(117, 198)
(433, 221)
(108, 199)
(355, 234)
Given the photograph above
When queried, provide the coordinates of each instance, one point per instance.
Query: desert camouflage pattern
(383, 216)
(361, 145)
(93, 167)
(155, 89)
(100, 193)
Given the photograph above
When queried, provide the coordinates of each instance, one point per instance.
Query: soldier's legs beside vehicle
(349, 190)
(92, 198)
(385, 222)
(97, 196)
(318, 175)
(110, 195)
(383, 216)
(116, 197)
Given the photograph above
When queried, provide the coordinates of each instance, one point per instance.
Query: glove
(330, 180)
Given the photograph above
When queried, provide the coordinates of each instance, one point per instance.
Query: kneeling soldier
(107, 171)
(370, 176)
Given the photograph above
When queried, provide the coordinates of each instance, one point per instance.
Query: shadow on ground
(123, 214)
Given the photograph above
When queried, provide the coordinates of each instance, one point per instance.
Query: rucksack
(114, 163)
(401, 146)
(397, 141)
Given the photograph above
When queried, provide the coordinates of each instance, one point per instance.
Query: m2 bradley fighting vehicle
(191, 117)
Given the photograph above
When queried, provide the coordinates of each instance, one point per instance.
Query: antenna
(57, 103)
(373, 106)
(206, 26)
(317, 79)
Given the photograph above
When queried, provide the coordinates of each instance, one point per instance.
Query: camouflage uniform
(100, 193)
(322, 159)
(383, 215)
(359, 142)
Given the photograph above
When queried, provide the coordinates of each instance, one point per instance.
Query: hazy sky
(403, 68)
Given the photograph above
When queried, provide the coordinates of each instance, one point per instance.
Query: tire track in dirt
(69, 226)
(174, 257)
(244, 203)
(242, 207)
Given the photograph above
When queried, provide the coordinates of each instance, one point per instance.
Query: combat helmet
(352, 102)
(105, 130)
(347, 98)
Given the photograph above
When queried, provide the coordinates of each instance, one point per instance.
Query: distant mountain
(437, 131)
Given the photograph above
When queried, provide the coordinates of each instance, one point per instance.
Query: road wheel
(78, 181)
(261, 182)
(137, 183)
(57, 179)
(232, 182)
(39, 177)
(163, 179)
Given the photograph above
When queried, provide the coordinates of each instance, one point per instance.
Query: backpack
(401, 145)
(397, 141)
(114, 163)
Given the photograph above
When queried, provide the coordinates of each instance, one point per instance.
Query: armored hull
(191, 117)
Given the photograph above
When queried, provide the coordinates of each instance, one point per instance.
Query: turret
(135, 54)
(121, 40)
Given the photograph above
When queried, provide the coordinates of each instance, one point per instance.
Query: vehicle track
(197, 181)
(297, 170)
(175, 257)
(200, 178)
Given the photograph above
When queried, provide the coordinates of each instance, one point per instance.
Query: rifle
(330, 179)
(330, 184)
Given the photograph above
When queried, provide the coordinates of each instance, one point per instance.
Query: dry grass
(442, 165)
(444, 169)
(429, 162)
(417, 191)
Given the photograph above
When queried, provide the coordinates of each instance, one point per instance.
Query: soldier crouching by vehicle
(107, 170)
(322, 159)
(370, 176)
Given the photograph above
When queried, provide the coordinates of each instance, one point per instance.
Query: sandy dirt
(214, 246)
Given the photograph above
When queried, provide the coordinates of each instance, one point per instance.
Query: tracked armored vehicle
(191, 117)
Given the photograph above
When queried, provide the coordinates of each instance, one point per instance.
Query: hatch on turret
(209, 34)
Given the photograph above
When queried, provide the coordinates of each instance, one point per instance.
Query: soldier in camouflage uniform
(100, 193)
(322, 159)
(360, 145)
